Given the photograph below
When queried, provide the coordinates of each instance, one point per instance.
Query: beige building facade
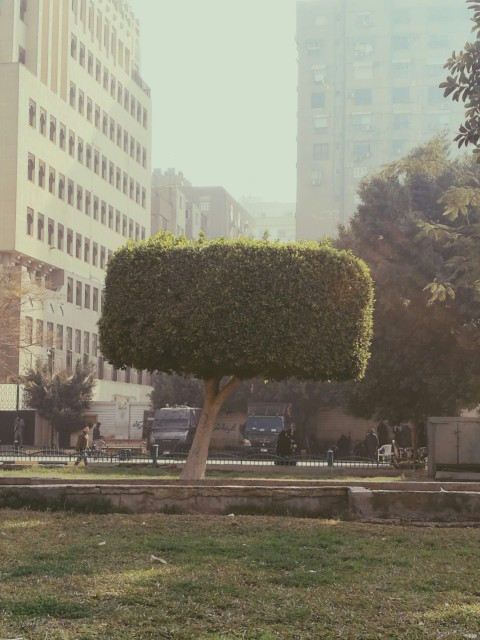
(75, 177)
(184, 209)
(368, 76)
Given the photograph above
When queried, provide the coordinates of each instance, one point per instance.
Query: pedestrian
(82, 446)
(371, 443)
(285, 444)
(18, 429)
(96, 432)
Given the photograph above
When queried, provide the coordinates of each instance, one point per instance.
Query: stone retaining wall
(340, 502)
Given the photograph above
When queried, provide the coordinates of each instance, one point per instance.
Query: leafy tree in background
(425, 350)
(61, 397)
(18, 297)
(224, 311)
(463, 82)
(174, 389)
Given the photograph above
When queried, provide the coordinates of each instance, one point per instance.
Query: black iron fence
(119, 455)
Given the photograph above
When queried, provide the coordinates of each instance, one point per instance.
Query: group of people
(82, 447)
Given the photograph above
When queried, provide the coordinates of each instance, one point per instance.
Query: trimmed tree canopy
(241, 308)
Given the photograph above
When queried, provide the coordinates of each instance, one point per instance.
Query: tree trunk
(196, 463)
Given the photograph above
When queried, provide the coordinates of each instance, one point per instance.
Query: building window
(400, 42)
(79, 198)
(70, 192)
(95, 254)
(438, 41)
(363, 70)
(361, 151)
(320, 151)
(31, 167)
(95, 207)
(41, 173)
(21, 55)
(87, 297)
(320, 123)
(51, 233)
(70, 242)
(32, 114)
(73, 94)
(73, 46)
(359, 172)
(78, 341)
(71, 143)
(400, 120)
(23, 9)
(316, 177)
(362, 96)
(51, 180)
(78, 294)
(88, 202)
(81, 102)
(435, 95)
(59, 338)
(362, 121)
(400, 95)
(40, 226)
(80, 150)
(95, 299)
(69, 290)
(60, 237)
(400, 68)
(78, 247)
(43, 122)
(63, 136)
(28, 330)
(29, 221)
(39, 333)
(61, 186)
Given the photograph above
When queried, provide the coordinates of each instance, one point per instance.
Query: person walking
(18, 428)
(82, 446)
(285, 445)
(371, 443)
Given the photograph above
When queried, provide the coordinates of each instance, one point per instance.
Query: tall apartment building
(75, 178)
(368, 76)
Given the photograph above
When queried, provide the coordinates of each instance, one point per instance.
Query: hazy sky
(223, 77)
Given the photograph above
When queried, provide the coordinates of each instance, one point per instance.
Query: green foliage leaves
(464, 81)
(244, 308)
(61, 397)
(425, 350)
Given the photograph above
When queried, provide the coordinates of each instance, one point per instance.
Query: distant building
(275, 218)
(75, 130)
(174, 206)
(183, 209)
(368, 76)
(225, 216)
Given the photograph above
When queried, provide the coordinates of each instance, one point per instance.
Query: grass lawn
(126, 472)
(66, 576)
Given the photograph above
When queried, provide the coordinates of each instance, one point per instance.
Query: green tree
(425, 355)
(19, 300)
(463, 82)
(224, 311)
(174, 389)
(60, 397)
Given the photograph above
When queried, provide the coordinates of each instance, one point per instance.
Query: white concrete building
(75, 176)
